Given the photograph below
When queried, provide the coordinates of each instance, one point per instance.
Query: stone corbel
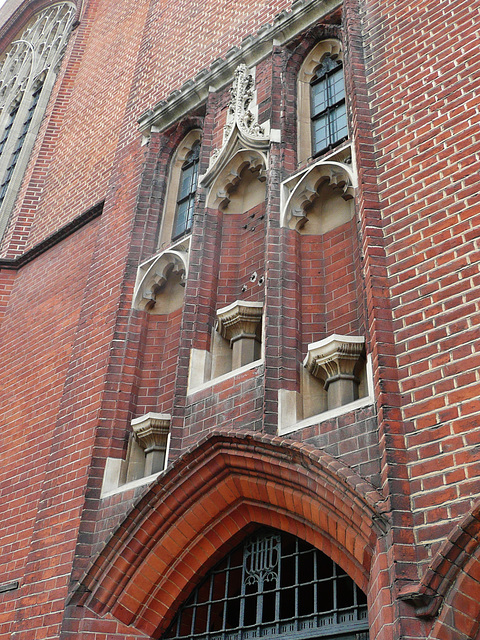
(152, 278)
(302, 190)
(151, 432)
(337, 361)
(241, 324)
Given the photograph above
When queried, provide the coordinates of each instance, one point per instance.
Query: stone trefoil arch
(153, 277)
(300, 191)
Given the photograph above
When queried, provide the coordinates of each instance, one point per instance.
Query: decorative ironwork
(273, 585)
(261, 558)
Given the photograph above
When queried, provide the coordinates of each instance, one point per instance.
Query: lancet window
(328, 108)
(186, 193)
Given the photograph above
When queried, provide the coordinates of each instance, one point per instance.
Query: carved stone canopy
(301, 191)
(151, 431)
(153, 277)
(242, 130)
(335, 358)
(241, 319)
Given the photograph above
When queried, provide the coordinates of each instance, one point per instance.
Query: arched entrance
(209, 501)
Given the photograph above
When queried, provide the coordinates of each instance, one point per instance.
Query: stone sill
(226, 376)
(367, 401)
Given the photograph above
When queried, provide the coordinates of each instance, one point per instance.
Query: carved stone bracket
(151, 432)
(337, 361)
(240, 323)
(302, 190)
(151, 292)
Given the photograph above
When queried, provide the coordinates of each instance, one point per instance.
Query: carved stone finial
(239, 112)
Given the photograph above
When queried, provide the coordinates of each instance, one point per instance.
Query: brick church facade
(239, 319)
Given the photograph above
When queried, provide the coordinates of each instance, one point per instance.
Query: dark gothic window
(186, 193)
(328, 109)
(273, 585)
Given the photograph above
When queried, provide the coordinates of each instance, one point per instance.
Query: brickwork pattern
(424, 126)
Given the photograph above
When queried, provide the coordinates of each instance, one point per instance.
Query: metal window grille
(186, 194)
(328, 108)
(273, 585)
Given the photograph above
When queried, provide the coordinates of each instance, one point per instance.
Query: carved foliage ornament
(239, 112)
(242, 130)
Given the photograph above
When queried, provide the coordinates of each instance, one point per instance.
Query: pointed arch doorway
(273, 585)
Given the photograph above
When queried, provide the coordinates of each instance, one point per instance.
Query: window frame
(29, 93)
(331, 105)
(183, 150)
(307, 72)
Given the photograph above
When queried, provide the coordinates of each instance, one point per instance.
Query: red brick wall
(39, 330)
(425, 116)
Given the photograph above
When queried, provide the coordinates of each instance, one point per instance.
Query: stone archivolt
(204, 504)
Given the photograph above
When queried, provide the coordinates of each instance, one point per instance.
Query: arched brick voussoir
(450, 586)
(208, 500)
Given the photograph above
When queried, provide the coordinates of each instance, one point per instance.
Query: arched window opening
(328, 108)
(28, 70)
(186, 193)
(274, 585)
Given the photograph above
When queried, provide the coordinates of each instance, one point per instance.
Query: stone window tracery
(28, 69)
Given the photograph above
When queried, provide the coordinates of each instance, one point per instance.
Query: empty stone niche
(334, 376)
(236, 342)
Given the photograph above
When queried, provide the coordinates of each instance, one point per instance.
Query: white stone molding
(334, 357)
(285, 26)
(300, 191)
(240, 324)
(151, 431)
(151, 292)
(337, 362)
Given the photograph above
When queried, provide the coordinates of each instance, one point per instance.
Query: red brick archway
(208, 501)
(454, 578)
